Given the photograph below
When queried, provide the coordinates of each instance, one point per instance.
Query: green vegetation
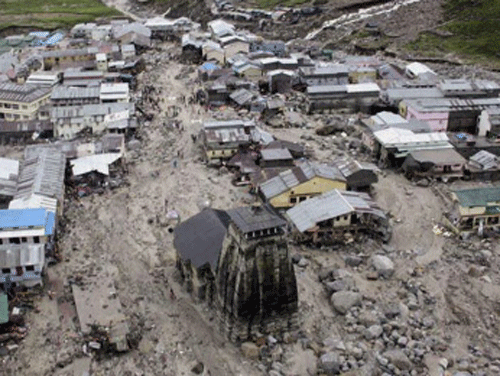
(273, 3)
(474, 29)
(51, 14)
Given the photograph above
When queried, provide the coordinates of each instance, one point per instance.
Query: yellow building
(222, 139)
(477, 209)
(301, 183)
(22, 102)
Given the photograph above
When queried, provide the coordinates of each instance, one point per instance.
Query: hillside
(51, 14)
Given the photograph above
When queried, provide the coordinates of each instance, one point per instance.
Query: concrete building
(451, 115)
(70, 120)
(82, 78)
(233, 45)
(9, 172)
(276, 47)
(331, 74)
(440, 163)
(22, 102)
(301, 183)
(44, 79)
(114, 93)
(22, 264)
(328, 218)
(30, 226)
(74, 96)
(357, 96)
(222, 139)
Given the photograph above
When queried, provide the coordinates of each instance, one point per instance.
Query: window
(293, 200)
(36, 239)
(30, 268)
(14, 241)
(15, 106)
(24, 240)
(302, 198)
(5, 271)
(24, 107)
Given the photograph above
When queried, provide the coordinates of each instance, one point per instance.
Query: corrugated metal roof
(4, 308)
(335, 203)
(62, 92)
(33, 202)
(98, 162)
(297, 175)
(249, 219)
(478, 196)
(276, 154)
(22, 93)
(486, 160)
(438, 156)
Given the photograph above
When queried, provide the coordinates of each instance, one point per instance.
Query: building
(358, 75)
(22, 264)
(74, 96)
(301, 183)
(44, 79)
(234, 44)
(238, 261)
(489, 123)
(114, 92)
(359, 175)
(82, 78)
(439, 163)
(358, 96)
(222, 139)
(42, 173)
(276, 47)
(484, 166)
(247, 69)
(475, 210)
(280, 80)
(9, 172)
(419, 70)
(331, 74)
(220, 29)
(70, 120)
(26, 226)
(451, 115)
(270, 158)
(329, 217)
(22, 102)
(392, 145)
(213, 51)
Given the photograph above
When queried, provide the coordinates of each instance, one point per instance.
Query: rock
(399, 359)
(250, 350)
(353, 261)
(271, 341)
(338, 285)
(368, 318)
(392, 311)
(443, 363)
(330, 363)
(383, 265)
(343, 301)
(303, 262)
(423, 183)
(462, 374)
(296, 258)
(325, 275)
(274, 373)
(333, 343)
(373, 332)
(402, 341)
(198, 368)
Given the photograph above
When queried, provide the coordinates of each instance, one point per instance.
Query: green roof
(478, 196)
(4, 309)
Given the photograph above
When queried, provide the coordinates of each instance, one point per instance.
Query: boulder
(343, 301)
(373, 332)
(353, 261)
(330, 363)
(250, 350)
(399, 359)
(383, 265)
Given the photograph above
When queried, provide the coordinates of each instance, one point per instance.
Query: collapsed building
(238, 262)
(330, 217)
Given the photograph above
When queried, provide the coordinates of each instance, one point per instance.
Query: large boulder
(343, 301)
(399, 359)
(383, 265)
(250, 350)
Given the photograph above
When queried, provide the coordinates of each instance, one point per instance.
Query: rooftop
(249, 219)
(478, 197)
(275, 154)
(22, 93)
(26, 218)
(329, 205)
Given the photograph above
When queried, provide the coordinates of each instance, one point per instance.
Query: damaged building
(238, 261)
(22, 264)
(333, 215)
(475, 210)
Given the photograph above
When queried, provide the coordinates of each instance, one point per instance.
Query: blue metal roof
(54, 39)
(40, 34)
(22, 218)
(209, 66)
(51, 223)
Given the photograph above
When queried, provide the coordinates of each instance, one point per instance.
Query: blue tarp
(209, 66)
(54, 39)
